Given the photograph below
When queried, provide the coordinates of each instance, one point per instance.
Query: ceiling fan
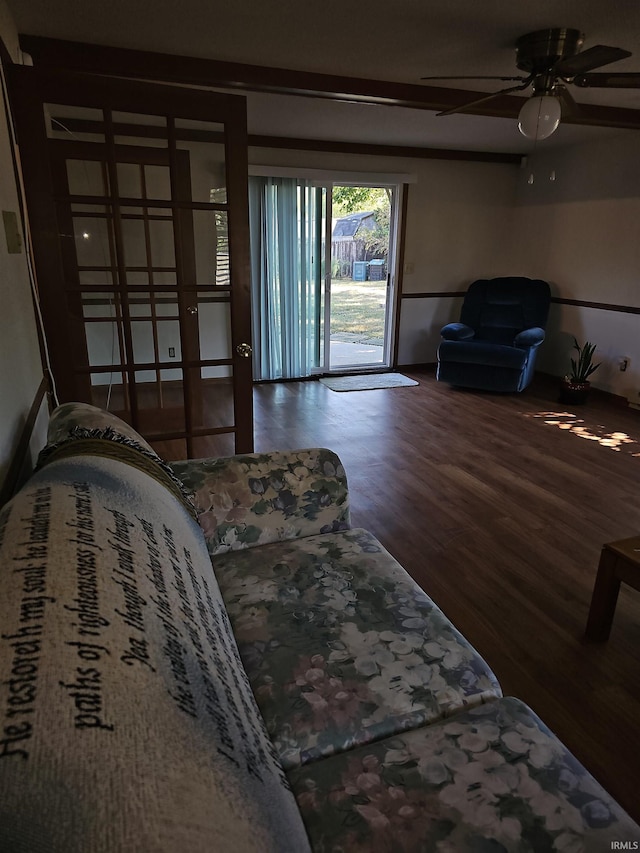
(551, 59)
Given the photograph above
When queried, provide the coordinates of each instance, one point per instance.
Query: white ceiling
(393, 40)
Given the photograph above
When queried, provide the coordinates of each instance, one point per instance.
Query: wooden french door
(137, 201)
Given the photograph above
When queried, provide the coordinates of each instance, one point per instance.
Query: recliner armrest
(529, 337)
(457, 332)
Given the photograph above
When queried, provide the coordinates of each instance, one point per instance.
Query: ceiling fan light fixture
(539, 116)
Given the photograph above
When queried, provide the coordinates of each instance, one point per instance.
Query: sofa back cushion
(126, 719)
(256, 498)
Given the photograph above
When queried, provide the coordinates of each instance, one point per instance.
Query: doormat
(367, 381)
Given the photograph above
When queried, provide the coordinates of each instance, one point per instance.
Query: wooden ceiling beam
(74, 124)
(170, 68)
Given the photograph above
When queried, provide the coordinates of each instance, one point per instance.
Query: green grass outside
(357, 308)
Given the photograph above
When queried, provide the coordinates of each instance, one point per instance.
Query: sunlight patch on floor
(570, 422)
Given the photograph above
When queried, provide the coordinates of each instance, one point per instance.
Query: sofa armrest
(457, 332)
(529, 337)
(252, 499)
(68, 416)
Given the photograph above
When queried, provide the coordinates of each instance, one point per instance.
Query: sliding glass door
(323, 261)
(360, 252)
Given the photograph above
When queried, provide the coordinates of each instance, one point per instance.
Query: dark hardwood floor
(498, 506)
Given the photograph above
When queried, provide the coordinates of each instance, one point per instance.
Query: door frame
(29, 90)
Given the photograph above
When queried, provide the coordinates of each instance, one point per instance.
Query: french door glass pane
(91, 237)
(97, 278)
(214, 322)
(144, 344)
(211, 239)
(140, 304)
(213, 408)
(166, 304)
(134, 243)
(129, 180)
(169, 345)
(160, 398)
(87, 177)
(97, 304)
(111, 391)
(149, 131)
(204, 140)
(214, 445)
(157, 181)
(161, 246)
(61, 123)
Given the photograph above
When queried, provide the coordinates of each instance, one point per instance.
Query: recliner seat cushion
(483, 354)
(341, 646)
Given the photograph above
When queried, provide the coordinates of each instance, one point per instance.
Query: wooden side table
(619, 562)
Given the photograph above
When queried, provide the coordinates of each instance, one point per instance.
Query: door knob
(192, 309)
(244, 350)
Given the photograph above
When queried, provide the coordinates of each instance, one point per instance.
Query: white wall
(581, 232)
(20, 368)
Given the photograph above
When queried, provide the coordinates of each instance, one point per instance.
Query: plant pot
(574, 393)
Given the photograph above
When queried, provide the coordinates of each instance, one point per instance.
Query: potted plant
(575, 386)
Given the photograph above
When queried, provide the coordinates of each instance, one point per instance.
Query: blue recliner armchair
(494, 346)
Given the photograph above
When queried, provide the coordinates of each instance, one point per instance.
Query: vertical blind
(286, 230)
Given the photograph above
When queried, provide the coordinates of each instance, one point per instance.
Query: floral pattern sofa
(390, 731)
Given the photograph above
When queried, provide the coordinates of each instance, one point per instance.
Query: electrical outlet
(172, 352)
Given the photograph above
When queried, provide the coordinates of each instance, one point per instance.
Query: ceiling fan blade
(473, 77)
(567, 103)
(593, 57)
(620, 80)
(477, 101)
